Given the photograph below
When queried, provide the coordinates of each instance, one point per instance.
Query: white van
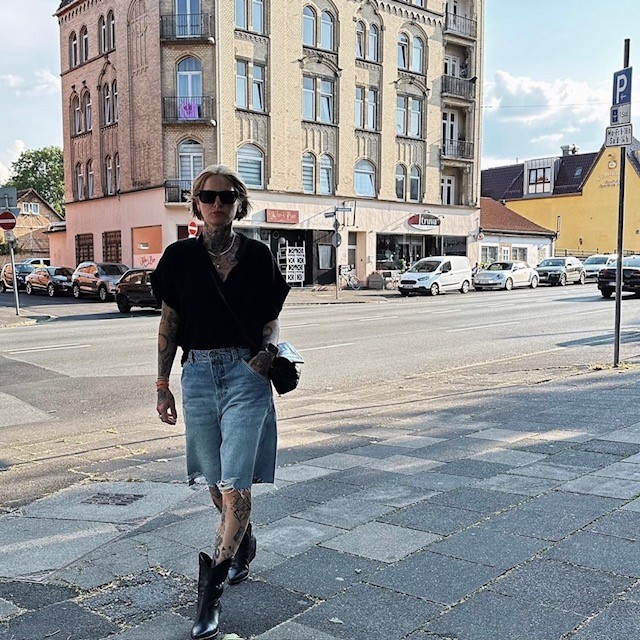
(437, 274)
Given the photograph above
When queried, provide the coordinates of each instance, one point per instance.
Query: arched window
(251, 166)
(90, 181)
(414, 184)
(360, 40)
(76, 114)
(373, 43)
(73, 50)
(403, 51)
(309, 27)
(189, 83)
(327, 40)
(108, 172)
(102, 34)
(190, 162)
(84, 44)
(79, 182)
(401, 182)
(326, 175)
(114, 99)
(86, 110)
(308, 173)
(106, 104)
(417, 55)
(111, 30)
(365, 179)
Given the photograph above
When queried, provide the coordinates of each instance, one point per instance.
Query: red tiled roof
(494, 216)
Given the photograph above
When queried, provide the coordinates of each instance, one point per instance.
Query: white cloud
(8, 156)
(547, 137)
(46, 84)
(11, 81)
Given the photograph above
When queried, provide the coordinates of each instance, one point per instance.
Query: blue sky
(547, 76)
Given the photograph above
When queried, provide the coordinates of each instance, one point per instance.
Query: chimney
(566, 148)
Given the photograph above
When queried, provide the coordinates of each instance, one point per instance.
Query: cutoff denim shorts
(230, 419)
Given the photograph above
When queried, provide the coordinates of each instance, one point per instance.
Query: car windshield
(59, 271)
(24, 268)
(552, 263)
(112, 269)
(630, 262)
(500, 266)
(596, 260)
(425, 266)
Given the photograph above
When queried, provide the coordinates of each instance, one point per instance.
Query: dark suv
(134, 290)
(97, 279)
(630, 277)
(6, 276)
(561, 271)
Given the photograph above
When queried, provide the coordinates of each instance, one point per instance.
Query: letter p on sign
(622, 87)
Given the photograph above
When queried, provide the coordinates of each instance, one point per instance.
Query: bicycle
(348, 280)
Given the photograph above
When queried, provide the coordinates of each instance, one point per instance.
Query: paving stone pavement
(508, 514)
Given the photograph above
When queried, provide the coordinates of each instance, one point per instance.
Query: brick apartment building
(367, 105)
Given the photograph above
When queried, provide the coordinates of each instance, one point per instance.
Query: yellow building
(575, 194)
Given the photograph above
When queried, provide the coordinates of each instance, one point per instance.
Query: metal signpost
(336, 241)
(8, 223)
(620, 134)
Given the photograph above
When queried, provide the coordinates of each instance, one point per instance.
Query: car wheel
(581, 279)
(404, 294)
(434, 289)
(123, 304)
(563, 279)
(3, 286)
(465, 287)
(508, 285)
(51, 290)
(75, 290)
(478, 288)
(534, 282)
(606, 293)
(102, 293)
(29, 289)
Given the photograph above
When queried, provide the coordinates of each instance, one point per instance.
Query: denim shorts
(230, 419)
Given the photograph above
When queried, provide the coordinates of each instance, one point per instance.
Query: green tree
(42, 170)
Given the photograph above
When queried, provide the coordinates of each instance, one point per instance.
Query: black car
(6, 276)
(560, 271)
(630, 277)
(53, 281)
(134, 290)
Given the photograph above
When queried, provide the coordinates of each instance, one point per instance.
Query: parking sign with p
(622, 87)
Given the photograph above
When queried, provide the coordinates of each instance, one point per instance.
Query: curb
(28, 321)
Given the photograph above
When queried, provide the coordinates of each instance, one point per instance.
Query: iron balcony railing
(461, 25)
(180, 26)
(187, 109)
(460, 87)
(458, 149)
(177, 190)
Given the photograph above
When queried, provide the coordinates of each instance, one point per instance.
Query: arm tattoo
(271, 332)
(167, 340)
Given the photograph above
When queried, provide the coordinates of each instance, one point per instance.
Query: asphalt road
(79, 390)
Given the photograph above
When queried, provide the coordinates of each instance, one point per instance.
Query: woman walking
(221, 297)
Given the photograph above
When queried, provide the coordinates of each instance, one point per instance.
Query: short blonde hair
(232, 177)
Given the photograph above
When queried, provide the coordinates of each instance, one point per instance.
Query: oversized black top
(254, 288)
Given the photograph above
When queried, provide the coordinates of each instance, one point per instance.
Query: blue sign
(622, 87)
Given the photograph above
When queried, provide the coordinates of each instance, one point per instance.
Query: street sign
(620, 136)
(7, 220)
(336, 241)
(9, 236)
(192, 228)
(622, 87)
(329, 214)
(621, 114)
(336, 224)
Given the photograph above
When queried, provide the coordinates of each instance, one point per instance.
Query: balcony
(461, 26)
(459, 87)
(187, 109)
(458, 149)
(177, 190)
(186, 26)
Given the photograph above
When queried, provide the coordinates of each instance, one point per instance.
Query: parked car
(436, 274)
(560, 271)
(97, 279)
(6, 276)
(630, 277)
(134, 290)
(593, 264)
(45, 262)
(53, 281)
(506, 275)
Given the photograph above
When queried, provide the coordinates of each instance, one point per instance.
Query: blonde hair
(232, 177)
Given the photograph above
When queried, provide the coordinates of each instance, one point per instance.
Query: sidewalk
(506, 514)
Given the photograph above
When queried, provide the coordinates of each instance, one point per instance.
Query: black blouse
(254, 288)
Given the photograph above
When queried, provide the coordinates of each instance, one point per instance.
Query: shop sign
(424, 221)
(282, 216)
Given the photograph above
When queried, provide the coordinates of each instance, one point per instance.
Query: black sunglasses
(209, 197)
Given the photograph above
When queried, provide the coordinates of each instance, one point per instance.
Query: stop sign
(192, 228)
(7, 220)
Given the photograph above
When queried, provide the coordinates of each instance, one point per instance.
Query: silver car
(506, 274)
(97, 279)
(593, 264)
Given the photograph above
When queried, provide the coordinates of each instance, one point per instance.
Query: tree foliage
(42, 170)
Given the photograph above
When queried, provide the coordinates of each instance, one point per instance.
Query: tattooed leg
(216, 496)
(236, 509)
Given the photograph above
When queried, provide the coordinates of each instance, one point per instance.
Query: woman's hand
(261, 363)
(166, 406)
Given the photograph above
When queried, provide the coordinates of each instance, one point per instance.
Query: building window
(257, 16)
(308, 173)
(409, 116)
(84, 44)
(359, 107)
(326, 175)
(309, 27)
(116, 162)
(372, 109)
(108, 172)
(79, 182)
(258, 88)
(106, 103)
(326, 101)
(414, 184)
(519, 253)
(189, 20)
(114, 100)
(102, 34)
(189, 83)
(241, 84)
(84, 247)
(86, 109)
(256, 99)
(540, 180)
(401, 115)
(415, 118)
(365, 179)
(417, 56)
(448, 190)
(250, 21)
(112, 246)
(327, 38)
(318, 99)
(251, 166)
(403, 51)
(242, 17)
(373, 43)
(73, 50)
(76, 115)
(308, 98)
(360, 40)
(31, 208)
(190, 162)
(90, 179)
(488, 255)
(452, 66)
(401, 182)
(111, 26)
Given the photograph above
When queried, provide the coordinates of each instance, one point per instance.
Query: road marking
(482, 326)
(291, 326)
(329, 346)
(48, 348)
(374, 318)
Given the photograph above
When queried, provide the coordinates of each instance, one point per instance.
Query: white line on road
(329, 346)
(482, 326)
(374, 318)
(48, 348)
(291, 326)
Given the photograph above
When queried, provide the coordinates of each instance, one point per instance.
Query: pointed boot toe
(210, 587)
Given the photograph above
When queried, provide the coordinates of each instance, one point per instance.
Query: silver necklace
(216, 256)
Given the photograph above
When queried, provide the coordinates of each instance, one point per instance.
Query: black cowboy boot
(246, 552)
(210, 586)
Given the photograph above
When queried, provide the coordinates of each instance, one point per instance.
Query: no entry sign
(7, 220)
(192, 228)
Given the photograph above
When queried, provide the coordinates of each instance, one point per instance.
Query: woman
(221, 296)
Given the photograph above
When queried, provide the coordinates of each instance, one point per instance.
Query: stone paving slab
(294, 631)
(345, 513)
(290, 536)
(398, 495)
(426, 516)
(168, 626)
(618, 622)
(481, 500)
(523, 485)
(623, 524)
(602, 486)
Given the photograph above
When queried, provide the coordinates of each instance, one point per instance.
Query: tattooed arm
(270, 335)
(167, 347)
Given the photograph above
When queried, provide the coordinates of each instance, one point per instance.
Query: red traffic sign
(7, 220)
(192, 227)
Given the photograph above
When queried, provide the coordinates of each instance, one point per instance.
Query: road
(79, 390)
